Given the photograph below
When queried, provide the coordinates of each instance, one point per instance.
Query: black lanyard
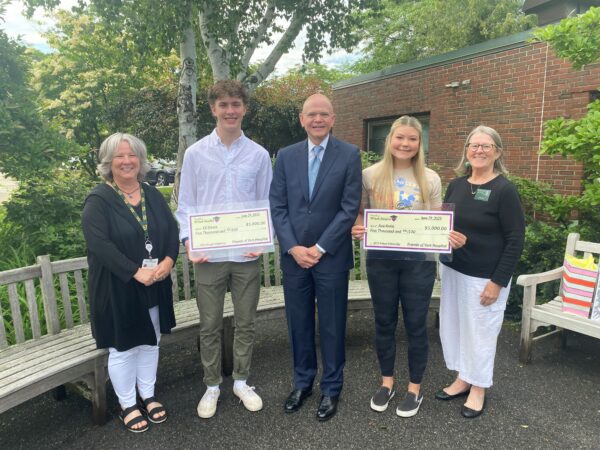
(143, 220)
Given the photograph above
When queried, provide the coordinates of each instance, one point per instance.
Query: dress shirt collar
(239, 141)
(322, 144)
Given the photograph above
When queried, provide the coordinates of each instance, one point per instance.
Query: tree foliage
(406, 30)
(273, 119)
(96, 83)
(44, 215)
(28, 144)
(577, 39)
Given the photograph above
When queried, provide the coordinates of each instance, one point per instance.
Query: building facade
(510, 84)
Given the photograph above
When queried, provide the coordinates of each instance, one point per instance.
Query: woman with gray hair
(132, 244)
(490, 225)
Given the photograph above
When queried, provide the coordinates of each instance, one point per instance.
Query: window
(378, 129)
(594, 95)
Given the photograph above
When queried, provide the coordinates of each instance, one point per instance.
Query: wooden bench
(51, 346)
(550, 312)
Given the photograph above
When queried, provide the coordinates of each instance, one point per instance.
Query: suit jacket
(325, 219)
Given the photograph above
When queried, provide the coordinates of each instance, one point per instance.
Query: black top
(493, 221)
(152, 293)
(116, 248)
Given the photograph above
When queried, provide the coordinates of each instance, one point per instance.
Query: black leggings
(410, 283)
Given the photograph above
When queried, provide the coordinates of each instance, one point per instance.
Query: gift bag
(580, 276)
(595, 315)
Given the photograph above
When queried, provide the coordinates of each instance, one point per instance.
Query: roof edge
(483, 48)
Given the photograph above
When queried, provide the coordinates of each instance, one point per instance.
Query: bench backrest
(47, 297)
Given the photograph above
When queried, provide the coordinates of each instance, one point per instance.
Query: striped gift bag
(579, 280)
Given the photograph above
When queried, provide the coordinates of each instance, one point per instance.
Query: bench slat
(589, 247)
(3, 340)
(363, 264)
(83, 316)
(62, 354)
(32, 306)
(69, 265)
(48, 295)
(62, 362)
(21, 274)
(66, 299)
(266, 270)
(42, 343)
(15, 310)
(185, 267)
(175, 284)
(277, 265)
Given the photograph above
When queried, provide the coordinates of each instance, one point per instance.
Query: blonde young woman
(476, 283)
(400, 181)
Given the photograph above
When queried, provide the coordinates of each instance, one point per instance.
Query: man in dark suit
(315, 196)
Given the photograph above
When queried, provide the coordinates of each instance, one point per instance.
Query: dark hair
(231, 88)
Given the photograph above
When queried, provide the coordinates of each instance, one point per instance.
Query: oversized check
(408, 231)
(230, 229)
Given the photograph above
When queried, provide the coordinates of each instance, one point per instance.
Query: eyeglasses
(485, 147)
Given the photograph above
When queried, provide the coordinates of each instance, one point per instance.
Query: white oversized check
(409, 231)
(230, 229)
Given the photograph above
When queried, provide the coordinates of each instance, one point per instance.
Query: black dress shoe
(472, 413)
(327, 407)
(295, 400)
(443, 395)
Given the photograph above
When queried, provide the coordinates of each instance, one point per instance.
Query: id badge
(149, 263)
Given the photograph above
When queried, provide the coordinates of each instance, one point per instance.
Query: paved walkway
(552, 403)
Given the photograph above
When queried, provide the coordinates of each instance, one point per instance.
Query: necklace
(476, 187)
(129, 194)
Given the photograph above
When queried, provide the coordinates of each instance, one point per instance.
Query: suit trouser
(212, 281)
(135, 367)
(469, 331)
(331, 292)
(410, 283)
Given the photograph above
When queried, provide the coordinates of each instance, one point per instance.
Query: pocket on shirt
(246, 182)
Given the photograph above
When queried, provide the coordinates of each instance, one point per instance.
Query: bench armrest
(537, 278)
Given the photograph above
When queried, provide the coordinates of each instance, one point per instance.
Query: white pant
(135, 366)
(469, 331)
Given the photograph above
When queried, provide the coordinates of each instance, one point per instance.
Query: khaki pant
(212, 281)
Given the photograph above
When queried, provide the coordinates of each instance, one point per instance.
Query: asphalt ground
(554, 402)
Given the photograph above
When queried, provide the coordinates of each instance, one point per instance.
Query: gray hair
(464, 168)
(107, 151)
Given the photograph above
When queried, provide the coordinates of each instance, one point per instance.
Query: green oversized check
(408, 231)
(230, 229)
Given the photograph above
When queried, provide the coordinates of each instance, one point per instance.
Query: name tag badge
(483, 195)
(149, 263)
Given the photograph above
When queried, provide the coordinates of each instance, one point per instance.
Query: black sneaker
(410, 405)
(381, 399)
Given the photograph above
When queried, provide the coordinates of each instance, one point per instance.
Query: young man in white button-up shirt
(225, 168)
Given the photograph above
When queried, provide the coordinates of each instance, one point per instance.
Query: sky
(30, 34)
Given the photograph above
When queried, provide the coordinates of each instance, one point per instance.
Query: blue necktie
(313, 170)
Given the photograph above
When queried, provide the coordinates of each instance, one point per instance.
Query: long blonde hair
(383, 177)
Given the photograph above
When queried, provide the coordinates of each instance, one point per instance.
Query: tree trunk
(186, 101)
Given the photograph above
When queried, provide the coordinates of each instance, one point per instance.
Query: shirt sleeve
(264, 177)
(435, 194)
(512, 222)
(187, 194)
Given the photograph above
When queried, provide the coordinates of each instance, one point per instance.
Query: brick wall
(505, 92)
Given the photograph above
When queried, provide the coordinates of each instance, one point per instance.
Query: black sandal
(154, 411)
(129, 425)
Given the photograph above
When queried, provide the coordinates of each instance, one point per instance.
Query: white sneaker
(207, 407)
(248, 397)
